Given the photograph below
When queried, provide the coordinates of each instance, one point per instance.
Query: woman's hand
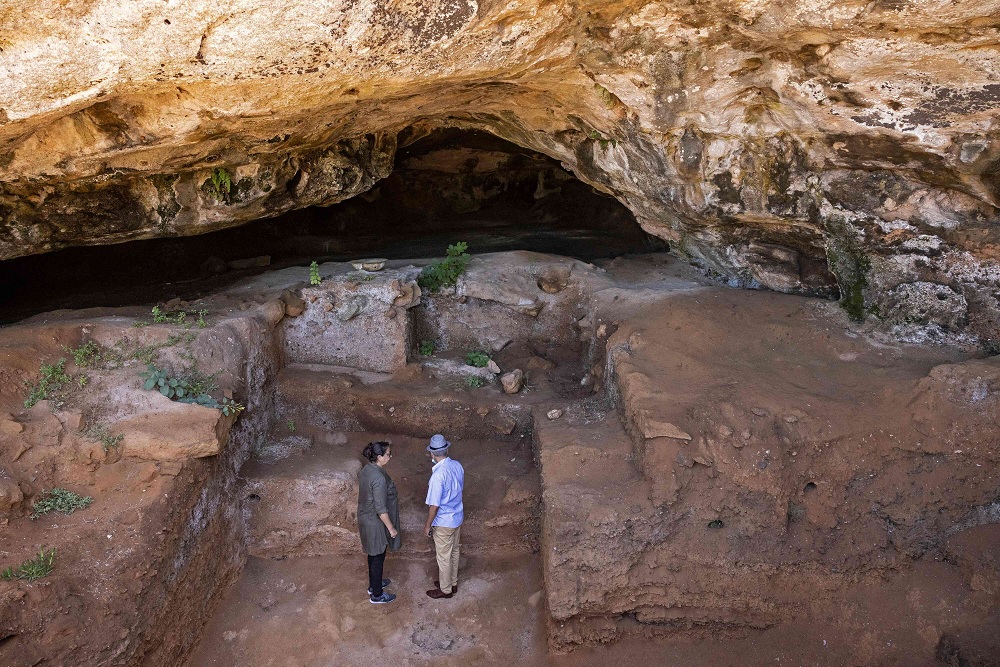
(393, 533)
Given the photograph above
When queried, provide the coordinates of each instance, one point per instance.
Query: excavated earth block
(136, 573)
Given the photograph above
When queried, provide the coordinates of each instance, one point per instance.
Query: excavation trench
(346, 382)
(663, 469)
(684, 462)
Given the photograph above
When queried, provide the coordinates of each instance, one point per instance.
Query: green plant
(445, 273)
(477, 359)
(193, 388)
(222, 184)
(201, 318)
(176, 317)
(102, 434)
(291, 425)
(33, 568)
(314, 278)
(85, 356)
(474, 381)
(426, 348)
(159, 379)
(51, 378)
(59, 500)
(226, 406)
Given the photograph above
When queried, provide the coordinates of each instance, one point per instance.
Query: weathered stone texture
(756, 136)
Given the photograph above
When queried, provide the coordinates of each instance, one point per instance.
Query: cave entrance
(448, 185)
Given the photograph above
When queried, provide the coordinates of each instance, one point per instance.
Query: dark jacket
(377, 495)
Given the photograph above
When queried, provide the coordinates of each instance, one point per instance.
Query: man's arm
(431, 513)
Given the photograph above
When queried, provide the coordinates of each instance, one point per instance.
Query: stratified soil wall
(139, 571)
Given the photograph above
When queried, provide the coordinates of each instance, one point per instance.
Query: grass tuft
(33, 568)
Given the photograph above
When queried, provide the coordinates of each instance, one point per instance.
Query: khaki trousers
(446, 548)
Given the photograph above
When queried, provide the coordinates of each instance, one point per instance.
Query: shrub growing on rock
(192, 389)
(445, 273)
(314, 278)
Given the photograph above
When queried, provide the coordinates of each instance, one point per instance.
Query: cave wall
(775, 145)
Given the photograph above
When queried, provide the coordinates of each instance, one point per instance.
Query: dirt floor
(313, 610)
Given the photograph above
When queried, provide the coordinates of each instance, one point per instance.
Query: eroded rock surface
(834, 148)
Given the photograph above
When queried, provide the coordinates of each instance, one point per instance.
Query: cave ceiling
(770, 143)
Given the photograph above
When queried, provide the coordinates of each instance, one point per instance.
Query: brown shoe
(438, 594)
(454, 589)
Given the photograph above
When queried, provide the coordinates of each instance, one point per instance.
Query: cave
(705, 296)
(446, 186)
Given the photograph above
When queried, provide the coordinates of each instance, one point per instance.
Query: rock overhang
(837, 150)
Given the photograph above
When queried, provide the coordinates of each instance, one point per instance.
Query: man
(444, 515)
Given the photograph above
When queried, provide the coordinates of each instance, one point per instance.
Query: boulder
(173, 431)
(272, 311)
(513, 381)
(294, 304)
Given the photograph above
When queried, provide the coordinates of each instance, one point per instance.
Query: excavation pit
(658, 499)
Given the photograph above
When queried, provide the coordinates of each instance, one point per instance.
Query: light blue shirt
(445, 491)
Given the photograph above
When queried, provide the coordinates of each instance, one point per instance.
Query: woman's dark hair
(373, 450)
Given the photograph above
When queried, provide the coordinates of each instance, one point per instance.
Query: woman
(378, 516)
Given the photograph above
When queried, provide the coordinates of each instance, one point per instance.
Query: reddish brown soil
(312, 611)
(889, 559)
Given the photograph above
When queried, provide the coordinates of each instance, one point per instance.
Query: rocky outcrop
(833, 148)
(357, 319)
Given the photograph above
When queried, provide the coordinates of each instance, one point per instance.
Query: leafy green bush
(159, 379)
(474, 381)
(191, 389)
(446, 272)
(314, 278)
(33, 568)
(426, 347)
(59, 500)
(51, 378)
(477, 359)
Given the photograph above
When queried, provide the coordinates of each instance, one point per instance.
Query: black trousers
(375, 564)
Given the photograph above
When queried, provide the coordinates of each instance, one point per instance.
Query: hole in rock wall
(451, 185)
